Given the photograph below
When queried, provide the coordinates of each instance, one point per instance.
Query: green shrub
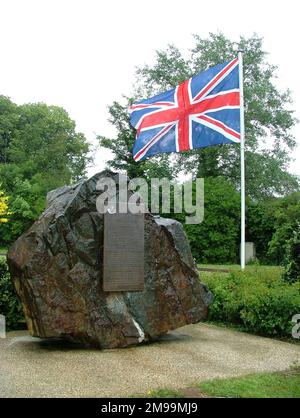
(10, 307)
(216, 239)
(292, 260)
(261, 227)
(259, 301)
(286, 220)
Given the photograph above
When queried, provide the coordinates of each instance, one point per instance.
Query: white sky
(81, 54)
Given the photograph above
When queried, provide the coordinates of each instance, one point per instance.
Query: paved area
(30, 367)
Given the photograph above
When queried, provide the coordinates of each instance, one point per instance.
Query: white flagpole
(242, 122)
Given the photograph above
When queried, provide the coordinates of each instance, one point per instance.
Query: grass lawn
(252, 268)
(262, 385)
(247, 287)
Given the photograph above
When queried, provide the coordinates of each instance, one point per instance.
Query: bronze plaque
(123, 252)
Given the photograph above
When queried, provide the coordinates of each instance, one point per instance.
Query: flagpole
(242, 123)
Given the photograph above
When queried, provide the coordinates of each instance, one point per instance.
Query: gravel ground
(30, 367)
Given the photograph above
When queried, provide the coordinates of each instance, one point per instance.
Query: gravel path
(30, 367)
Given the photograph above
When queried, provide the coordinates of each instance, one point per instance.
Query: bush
(287, 218)
(259, 301)
(260, 228)
(216, 239)
(10, 306)
(292, 260)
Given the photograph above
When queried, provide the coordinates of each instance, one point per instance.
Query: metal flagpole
(242, 122)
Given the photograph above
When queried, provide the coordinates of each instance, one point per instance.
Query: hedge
(292, 260)
(10, 306)
(259, 301)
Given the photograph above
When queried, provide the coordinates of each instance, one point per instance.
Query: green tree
(216, 239)
(292, 258)
(39, 151)
(261, 227)
(286, 221)
(9, 303)
(3, 207)
(268, 118)
(271, 225)
(8, 123)
(42, 139)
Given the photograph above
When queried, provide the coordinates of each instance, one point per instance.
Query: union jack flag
(200, 112)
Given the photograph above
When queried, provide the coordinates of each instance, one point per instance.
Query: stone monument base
(57, 270)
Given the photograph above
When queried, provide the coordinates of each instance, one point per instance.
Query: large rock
(57, 265)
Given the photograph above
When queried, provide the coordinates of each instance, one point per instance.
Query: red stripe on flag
(220, 125)
(216, 79)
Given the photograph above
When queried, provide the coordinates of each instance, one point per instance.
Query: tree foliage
(36, 138)
(39, 151)
(268, 118)
(292, 258)
(271, 226)
(269, 141)
(286, 221)
(3, 207)
(216, 239)
(260, 221)
(10, 306)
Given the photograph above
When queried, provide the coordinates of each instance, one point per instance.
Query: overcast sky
(81, 54)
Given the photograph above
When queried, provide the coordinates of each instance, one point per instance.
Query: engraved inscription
(123, 252)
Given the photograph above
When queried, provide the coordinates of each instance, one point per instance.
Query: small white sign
(2, 327)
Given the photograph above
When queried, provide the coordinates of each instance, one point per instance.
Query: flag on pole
(200, 112)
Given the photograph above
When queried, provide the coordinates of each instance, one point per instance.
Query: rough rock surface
(57, 265)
